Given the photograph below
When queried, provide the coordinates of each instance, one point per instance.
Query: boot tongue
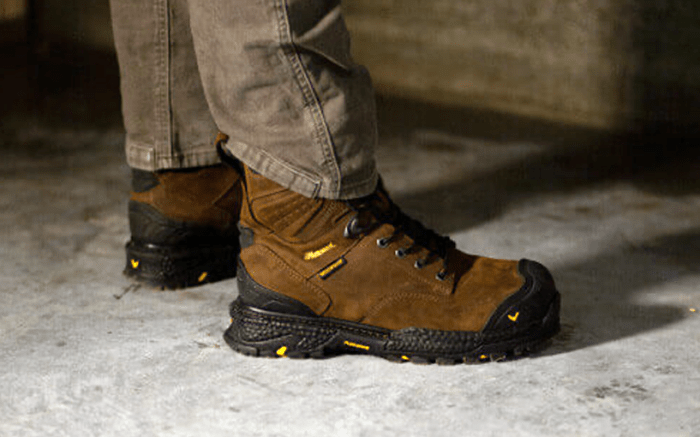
(288, 214)
(385, 210)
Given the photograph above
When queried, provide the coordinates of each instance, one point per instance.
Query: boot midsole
(267, 331)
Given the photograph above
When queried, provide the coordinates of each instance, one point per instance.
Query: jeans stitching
(162, 83)
(278, 162)
(141, 155)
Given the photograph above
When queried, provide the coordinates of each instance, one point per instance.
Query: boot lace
(372, 211)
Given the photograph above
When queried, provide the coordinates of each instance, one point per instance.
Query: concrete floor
(85, 352)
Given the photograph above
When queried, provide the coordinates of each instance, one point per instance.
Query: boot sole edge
(261, 333)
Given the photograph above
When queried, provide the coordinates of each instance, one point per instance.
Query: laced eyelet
(441, 275)
(400, 253)
(382, 242)
(351, 229)
(419, 264)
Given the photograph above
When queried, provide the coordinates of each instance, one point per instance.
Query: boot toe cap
(532, 304)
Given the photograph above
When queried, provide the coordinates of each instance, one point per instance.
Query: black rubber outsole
(179, 267)
(260, 333)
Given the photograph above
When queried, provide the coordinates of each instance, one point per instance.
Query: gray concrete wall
(12, 21)
(76, 21)
(600, 63)
(12, 9)
(605, 63)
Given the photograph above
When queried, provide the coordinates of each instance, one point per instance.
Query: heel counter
(150, 226)
(255, 295)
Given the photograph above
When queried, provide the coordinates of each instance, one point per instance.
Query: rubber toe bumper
(529, 305)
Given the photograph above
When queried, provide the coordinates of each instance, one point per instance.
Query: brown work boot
(320, 277)
(183, 226)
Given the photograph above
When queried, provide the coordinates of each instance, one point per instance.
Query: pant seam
(192, 159)
(163, 137)
(311, 98)
(145, 157)
(349, 191)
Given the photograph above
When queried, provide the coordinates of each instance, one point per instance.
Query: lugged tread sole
(262, 333)
(176, 267)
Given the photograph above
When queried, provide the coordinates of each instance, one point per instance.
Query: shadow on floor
(605, 298)
(573, 159)
(600, 295)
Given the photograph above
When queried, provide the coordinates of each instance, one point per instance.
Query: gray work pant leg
(275, 75)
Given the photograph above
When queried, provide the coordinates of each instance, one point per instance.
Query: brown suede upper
(300, 250)
(210, 196)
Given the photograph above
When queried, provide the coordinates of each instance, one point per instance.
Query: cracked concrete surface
(86, 352)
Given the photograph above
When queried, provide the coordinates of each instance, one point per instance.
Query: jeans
(274, 75)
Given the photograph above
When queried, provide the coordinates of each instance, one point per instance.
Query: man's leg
(184, 203)
(281, 83)
(167, 120)
(328, 263)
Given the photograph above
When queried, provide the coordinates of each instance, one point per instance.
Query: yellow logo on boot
(332, 268)
(308, 256)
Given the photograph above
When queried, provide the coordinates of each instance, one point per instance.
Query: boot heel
(262, 334)
(173, 267)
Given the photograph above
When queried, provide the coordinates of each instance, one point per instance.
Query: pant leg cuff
(145, 157)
